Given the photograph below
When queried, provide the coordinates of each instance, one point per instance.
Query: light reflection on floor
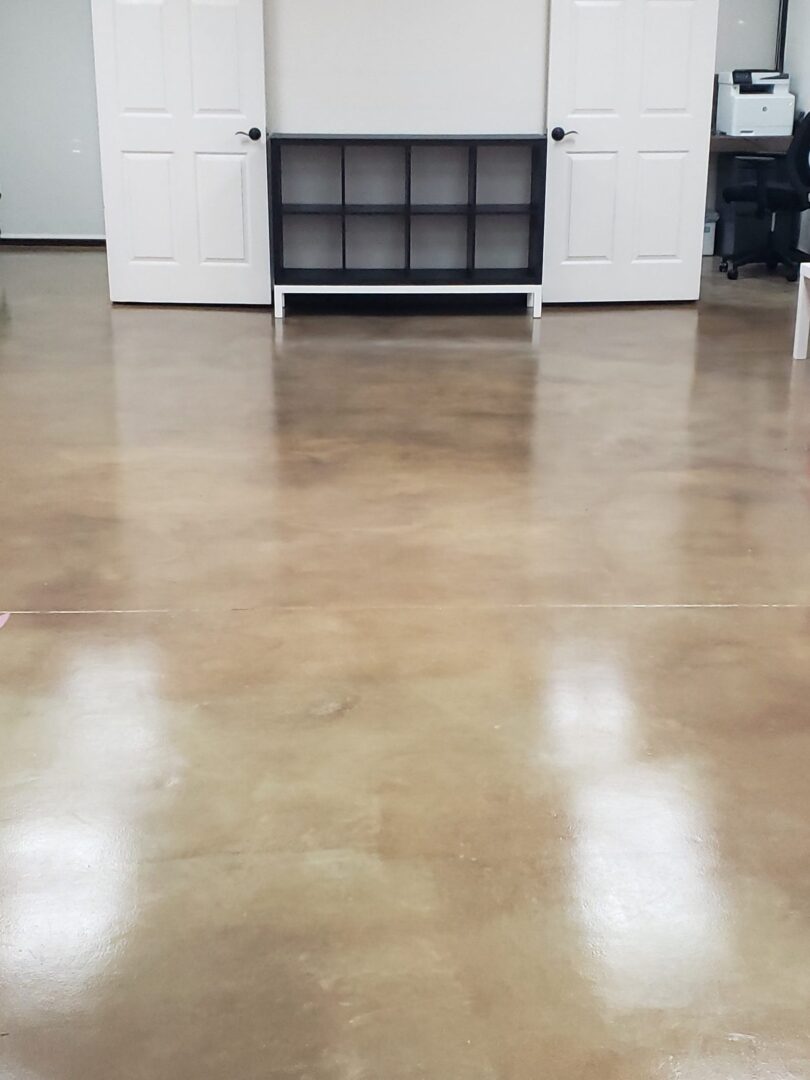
(646, 887)
(70, 850)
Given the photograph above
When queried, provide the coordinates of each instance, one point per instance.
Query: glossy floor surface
(389, 698)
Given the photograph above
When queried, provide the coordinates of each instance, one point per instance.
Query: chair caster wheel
(792, 275)
(723, 267)
(733, 274)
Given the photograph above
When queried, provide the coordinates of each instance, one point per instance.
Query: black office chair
(777, 197)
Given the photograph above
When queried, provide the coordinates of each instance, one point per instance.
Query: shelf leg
(802, 320)
(537, 303)
(278, 302)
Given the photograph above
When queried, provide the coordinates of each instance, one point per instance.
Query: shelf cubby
(439, 243)
(310, 175)
(501, 240)
(439, 176)
(375, 242)
(504, 175)
(313, 241)
(374, 174)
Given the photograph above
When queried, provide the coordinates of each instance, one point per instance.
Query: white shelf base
(534, 293)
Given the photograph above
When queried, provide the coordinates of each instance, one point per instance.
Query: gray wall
(50, 178)
(746, 34)
(797, 60)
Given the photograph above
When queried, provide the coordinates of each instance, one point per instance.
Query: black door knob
(558, 134)
(254, 134)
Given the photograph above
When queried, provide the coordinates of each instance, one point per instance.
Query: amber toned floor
(393, 698)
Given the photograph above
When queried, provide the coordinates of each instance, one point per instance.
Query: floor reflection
(753, 1062)
(645, 881)
(69, 849)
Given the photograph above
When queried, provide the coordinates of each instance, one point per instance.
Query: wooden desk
(750, 144)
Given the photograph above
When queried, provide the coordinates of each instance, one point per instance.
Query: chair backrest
(797, 158)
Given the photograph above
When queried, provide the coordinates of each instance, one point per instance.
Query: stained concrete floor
(391, 698)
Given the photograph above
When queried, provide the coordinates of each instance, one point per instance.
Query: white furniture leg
(802, 339)
(537, 303)
(278, 302)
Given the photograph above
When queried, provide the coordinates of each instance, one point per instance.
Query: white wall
(746, 34)
(415, 66)
(797, 57)
(50, 176)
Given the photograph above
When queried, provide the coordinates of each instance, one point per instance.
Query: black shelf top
(469, 140)
(451, 209)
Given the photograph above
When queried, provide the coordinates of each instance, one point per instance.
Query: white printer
(754, 103)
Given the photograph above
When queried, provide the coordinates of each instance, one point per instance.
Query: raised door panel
(148, 182)
(596, 56)
(591, 210)
(221, 207)
(215, 57)
(140, 56)
(668, 43)
(659, 206)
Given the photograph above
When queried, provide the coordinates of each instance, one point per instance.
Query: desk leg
(802, 339)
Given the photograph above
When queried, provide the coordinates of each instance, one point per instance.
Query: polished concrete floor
(389, 698)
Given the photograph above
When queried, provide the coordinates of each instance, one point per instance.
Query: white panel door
(630, 83)
(185, 194)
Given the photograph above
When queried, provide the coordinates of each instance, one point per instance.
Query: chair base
(791, 259)
(772, 254)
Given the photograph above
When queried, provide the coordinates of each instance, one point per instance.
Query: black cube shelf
(407, 213)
